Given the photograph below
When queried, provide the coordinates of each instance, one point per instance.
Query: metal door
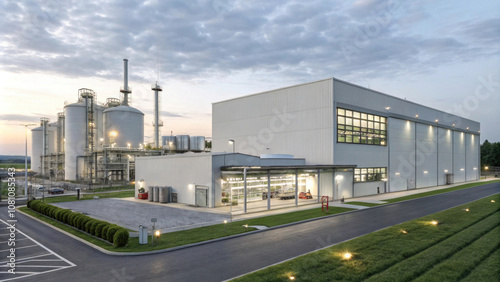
(201, 196)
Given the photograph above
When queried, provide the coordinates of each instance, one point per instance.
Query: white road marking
(17, 240)
(30, 259)
(17, 248)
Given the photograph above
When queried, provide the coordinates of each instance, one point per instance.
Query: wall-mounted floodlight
(231, 142)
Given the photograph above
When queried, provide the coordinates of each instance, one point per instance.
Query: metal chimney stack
(125, 90)
(157, 123)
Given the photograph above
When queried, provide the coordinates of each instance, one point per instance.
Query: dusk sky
(442, 54)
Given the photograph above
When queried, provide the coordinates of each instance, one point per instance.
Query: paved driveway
(131, 214)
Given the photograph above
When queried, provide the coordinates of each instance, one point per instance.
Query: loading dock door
(201, 196)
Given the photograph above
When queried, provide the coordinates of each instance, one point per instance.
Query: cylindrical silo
(60, 132)
(36, 148)
(182, 143)
(123, 125)
(52, 138)
(197, 144)
(75, 128)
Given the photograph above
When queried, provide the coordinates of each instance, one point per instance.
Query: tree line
(490, 154)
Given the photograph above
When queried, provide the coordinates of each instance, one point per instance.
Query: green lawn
(430, 193)
(463, 245)
(179, 238)
(14, 165)
(362, 204)
(71, 198)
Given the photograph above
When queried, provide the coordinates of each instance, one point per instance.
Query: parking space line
(17, 240)
(23, 261)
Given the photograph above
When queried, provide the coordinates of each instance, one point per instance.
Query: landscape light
(486, 168)
(292, 277)
(467, 209)
(492, 201)
(404, 231)
(157, 234)
(246, 226)
(347, 255)
(434, 222)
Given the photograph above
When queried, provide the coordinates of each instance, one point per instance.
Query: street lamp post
(26, 159)
(231, 141)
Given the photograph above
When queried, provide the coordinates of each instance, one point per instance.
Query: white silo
(82, 122)
(36, 148)
(124, 125)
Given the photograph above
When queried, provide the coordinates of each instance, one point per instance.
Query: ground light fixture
(347, 256)
(157, 234)
(246, 226)
(467, 209)
(225, 225)
(434, 222)
(492, 201)
(404, 231)
(291, 277)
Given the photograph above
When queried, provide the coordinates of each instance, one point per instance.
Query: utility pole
(26, 159)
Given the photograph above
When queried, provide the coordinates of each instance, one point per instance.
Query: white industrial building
(352, 141)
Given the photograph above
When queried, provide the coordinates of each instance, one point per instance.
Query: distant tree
(490, 154)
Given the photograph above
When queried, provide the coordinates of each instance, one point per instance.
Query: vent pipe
(125, 90)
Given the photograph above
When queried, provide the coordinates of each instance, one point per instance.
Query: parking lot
(131, 213)
(31, 257)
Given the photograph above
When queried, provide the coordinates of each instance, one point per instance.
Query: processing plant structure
(97, 142)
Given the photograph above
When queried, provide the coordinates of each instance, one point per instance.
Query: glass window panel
(356, 122)
(363, 177)
(370, 117)
(356, 128)
(341, 126)
(370, 124)
(348, 127)
(382, 119)
(356, 114)
(363, 170)
(348, 138)
(357, 178)
(341, 120)
(363, 140)
(348, 113)
(370, 170)
(357, 171)
(355, 139)
(364, 123)
(376, 118)
(382, 126)
(382, 169)
(341, 138)
(341, 112)
(364, 116)
(348, 121)
(376, 125)
(369, 140)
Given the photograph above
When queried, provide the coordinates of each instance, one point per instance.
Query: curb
(217, 239)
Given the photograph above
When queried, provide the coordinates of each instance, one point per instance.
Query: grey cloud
(200, 39)
(19, 118)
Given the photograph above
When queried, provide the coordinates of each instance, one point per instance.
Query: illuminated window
(370, 174)
(361, 128)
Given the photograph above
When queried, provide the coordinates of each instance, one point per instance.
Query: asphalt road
(229, 258)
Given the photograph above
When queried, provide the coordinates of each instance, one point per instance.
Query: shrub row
(115, 234)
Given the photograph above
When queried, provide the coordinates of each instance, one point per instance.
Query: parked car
(53, 191)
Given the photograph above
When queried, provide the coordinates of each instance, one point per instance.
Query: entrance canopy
(261, 187)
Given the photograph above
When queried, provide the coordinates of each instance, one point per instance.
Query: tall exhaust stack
(157, 122)
(125, 90)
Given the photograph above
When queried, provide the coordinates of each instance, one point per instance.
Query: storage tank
(182, 143)
(75, 128)
(60, 132)
(123, 125)
(36, 148)
(197, 144)
(168, 142)
(52, 138)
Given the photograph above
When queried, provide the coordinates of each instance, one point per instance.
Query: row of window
(361, 128)
(370, 174)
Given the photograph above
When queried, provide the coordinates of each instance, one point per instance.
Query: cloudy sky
(444, 54)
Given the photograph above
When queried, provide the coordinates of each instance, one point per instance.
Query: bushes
(121, 237)
(111, 232)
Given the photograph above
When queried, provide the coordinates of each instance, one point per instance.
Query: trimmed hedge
(121, 238)
(113, 233)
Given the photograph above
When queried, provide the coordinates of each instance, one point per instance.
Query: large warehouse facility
(346, 141)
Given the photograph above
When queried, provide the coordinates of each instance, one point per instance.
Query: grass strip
(462, 262)
(378, 251)
(411, 268)
(488, 270)
(435, 192)
(83, 197)
(196, 235)
(365, 204)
